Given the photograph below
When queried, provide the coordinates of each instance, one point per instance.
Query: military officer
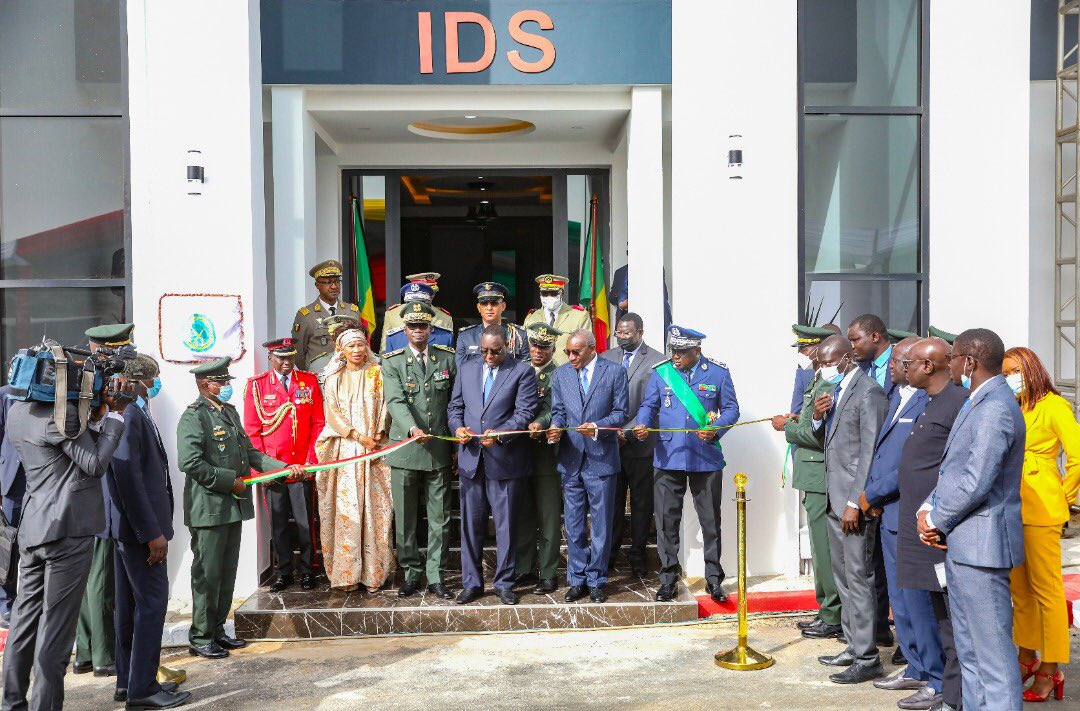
(215, 454)
(555, 312)
(443, 321)
(393, 334)
(491, 303)
(313, 342)
(283, 416)
(807, 339)
(692, 392)
(538, 534)
(418, 380)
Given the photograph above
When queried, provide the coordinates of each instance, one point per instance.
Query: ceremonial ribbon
(783, 471)
(681, 389)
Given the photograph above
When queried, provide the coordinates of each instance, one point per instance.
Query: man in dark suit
(919, 465)
(587, 393)
(975, 511)
(848, 422)
(141, 496)
(873, 352)
(881, 499)
(637, 473)
(492, 393)
(62, 511)
(12, 488)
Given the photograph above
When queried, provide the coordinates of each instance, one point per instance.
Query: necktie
(873, 370)
(626, 356)
(489, 380)
(420, 361)
(285, 382)
(584, 381)
(551, 319)
(836, 401)
(333, 311)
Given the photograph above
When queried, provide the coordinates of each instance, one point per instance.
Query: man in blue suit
(975, 511)
(140, 521)
(587, 393)
(688, 392)
(913, 611)
(492, 393)
(12, 487)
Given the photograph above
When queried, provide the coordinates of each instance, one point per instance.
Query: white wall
(1041, 246)
(979, 167)
(734, 268)
(195, 83)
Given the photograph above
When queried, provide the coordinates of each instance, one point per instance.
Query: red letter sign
(530, 40)
(454, 65)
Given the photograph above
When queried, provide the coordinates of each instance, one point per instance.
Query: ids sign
(466, 42)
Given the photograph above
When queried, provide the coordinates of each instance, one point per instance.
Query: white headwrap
(337, 361)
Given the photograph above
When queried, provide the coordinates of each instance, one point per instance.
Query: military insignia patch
(441, 375)
(707, 387)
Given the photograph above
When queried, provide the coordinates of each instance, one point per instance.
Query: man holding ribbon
(693, 398)
(283, 414)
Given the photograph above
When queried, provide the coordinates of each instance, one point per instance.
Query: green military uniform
(417, 392)
(539, 526)
(809, 477)
(567, 319)
(212, 450)
(95, 637)
(313, 340)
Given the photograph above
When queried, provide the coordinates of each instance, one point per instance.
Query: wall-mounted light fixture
(196, 173)
(735, 157)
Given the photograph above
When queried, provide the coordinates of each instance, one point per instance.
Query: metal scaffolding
(1067, 203)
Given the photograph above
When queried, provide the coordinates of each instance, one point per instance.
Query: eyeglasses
(908, 363)
(961, 355)
(491, 351)
(328, 280)
(626, 334)
(573, 352)
(681, 351)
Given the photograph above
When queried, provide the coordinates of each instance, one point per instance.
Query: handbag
(9, 550)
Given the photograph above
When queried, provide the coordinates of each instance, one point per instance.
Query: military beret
(542, 334)
(896, 335)
(329, 268)
(426, 278)
(217, 369)
(943, 335)
(490, 291)
(141, 367)
(111, 334)
(808, 335)
(680, 337)
(417, 291)
(417, 312)
(551, 281)
(281, 347)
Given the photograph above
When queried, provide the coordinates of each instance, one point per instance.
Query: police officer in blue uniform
(394, 337)
(491, 303)
(688, 391)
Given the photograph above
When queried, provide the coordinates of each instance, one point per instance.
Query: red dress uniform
(285, 426)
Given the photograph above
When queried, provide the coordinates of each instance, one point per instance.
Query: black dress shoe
(281, 582)
(526, 579)
(308, 581)
(884, 639)
(898, 657)
(120, 696)
(803, 624)
(231, 642)
(666, 592)
(410, 588)
(107, 670)
(507, 596)
(546, 586)
(82, 667)
(440, 591)
(597, 594)
(161, 700)
(469, 594)
(716, 592)
(208, 651)
(844, 659)
(858, 673)
(576, 592)
(822, 631)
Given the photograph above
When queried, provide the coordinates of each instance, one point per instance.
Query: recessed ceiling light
(480, 177)
(470, 116)
(484, 202)
(482, 189)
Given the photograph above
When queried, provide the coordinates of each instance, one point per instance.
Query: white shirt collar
(587, 370)
(327, 305)
(417, 354)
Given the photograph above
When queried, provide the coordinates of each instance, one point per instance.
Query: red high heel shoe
(1029, 669)
(1058, 689)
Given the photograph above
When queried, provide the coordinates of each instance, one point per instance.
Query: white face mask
(803, 361)
(551, 303)
(1016, 382)
(831, 373)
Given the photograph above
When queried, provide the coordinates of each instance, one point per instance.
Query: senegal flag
(593, 285)
(363, 274)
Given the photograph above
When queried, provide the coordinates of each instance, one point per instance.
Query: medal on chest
(303, 396)
(441, 375)
(667, 401)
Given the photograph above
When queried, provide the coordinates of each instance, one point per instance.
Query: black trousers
(670, 488)
(951, 682)
(142, 599)
(291, 499)
(635, 477)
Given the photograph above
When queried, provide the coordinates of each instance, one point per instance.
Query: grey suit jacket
(849, 441)
(977, 498)
(641, 368)
(63, 476)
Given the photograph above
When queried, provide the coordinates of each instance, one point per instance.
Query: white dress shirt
(906, 391)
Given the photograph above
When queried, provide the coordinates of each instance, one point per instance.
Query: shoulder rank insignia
(530, 313)
(716, 362)
(391, 308)
(466, 328)
(441, 347)
(393, 353)
(304, 311)
(392, 331)
(443, 310)
(579, 307)
(355, 308)
(317, 308)
(667, 360)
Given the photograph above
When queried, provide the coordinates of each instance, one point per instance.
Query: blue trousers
(593, 496)
(479, 495)
(916, 626)
(142, 599)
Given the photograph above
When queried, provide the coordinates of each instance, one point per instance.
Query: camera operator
(63, 509)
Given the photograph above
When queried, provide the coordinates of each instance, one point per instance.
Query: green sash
(681, 389)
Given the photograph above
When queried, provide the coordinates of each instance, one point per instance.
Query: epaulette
(355, 308)
(444, 311)
(197, 404)
(393, 353)
(441, 347)
(463, 329)
(530, 313)
(579, 307)
(392, 331)
(716, 362)
(391, 308)
(304, 311)
(661, 363)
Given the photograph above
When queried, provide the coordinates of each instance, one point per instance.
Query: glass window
(62, 314)
(860, 52)
(61, 198)
(61, 55)
(897, 302)
(861, 193)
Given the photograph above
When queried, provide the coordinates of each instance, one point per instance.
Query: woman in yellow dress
(355, 505)
(1040, 615)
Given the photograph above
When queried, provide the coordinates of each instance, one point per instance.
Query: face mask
(153, 390)
(550, 303)
(965, 379)
(803, 361)
(225, 393)
(1016, 382)
(627, 344)
(830, 374)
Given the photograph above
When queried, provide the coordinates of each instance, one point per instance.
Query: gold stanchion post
(742, 657)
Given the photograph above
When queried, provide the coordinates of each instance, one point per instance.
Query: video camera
(36, 373)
